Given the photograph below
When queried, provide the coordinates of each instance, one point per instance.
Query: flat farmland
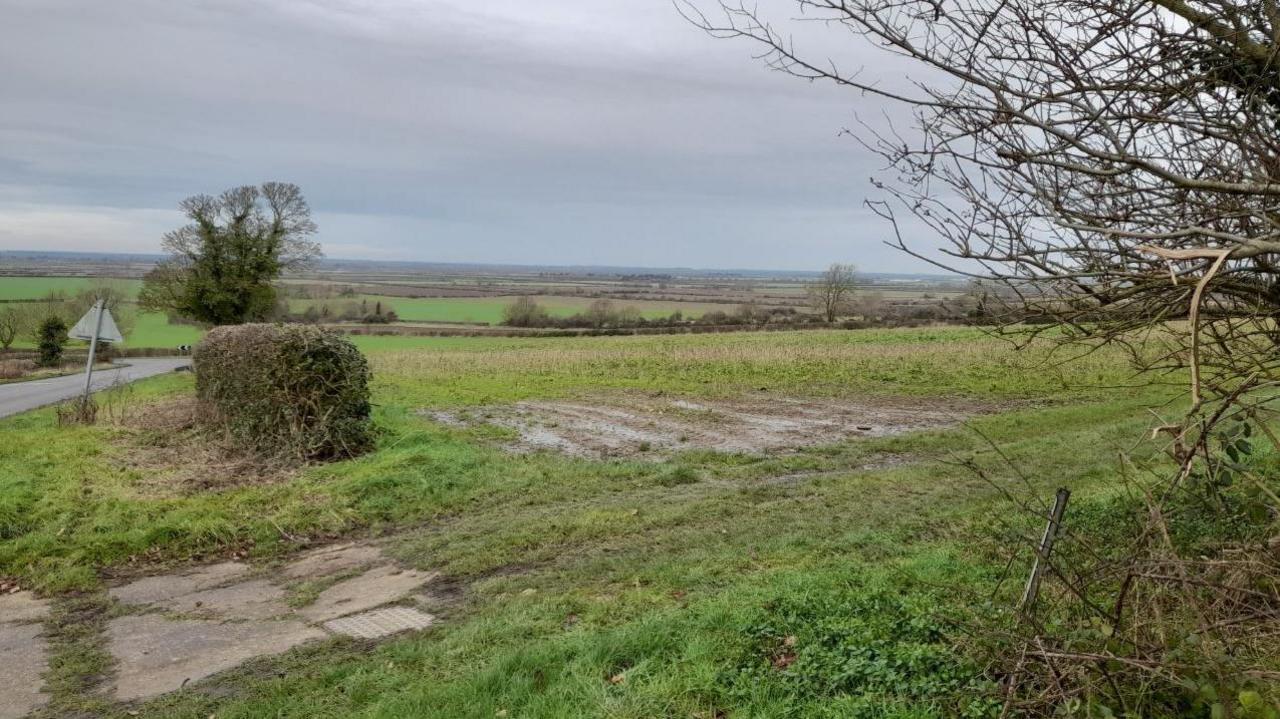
(619, 526)
(488, 310)
(32, 288)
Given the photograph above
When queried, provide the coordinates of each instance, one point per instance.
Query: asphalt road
(18, 397)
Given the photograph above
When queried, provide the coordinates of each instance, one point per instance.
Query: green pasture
(34, 288)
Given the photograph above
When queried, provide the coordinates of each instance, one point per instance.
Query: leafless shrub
(15, 368)
(1113, 167)
(82, 410)
(117, 402)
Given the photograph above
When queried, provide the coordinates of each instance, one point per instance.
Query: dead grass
(13, 369)
(163, 442)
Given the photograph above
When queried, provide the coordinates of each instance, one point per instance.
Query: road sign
(91, 327)
(95, 325)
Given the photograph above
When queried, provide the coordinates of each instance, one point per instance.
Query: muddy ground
(632, 426)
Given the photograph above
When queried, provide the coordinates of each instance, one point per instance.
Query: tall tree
(832, 293)
(223, 265)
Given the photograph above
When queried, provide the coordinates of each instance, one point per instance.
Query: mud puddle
(633, 426)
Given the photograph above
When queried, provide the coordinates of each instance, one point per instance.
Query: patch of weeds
(837, 649)
(678, 475)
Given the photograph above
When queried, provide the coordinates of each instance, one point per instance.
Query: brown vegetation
(173, 455)
(290, 390)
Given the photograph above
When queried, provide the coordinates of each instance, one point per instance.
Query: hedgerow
(285, 390)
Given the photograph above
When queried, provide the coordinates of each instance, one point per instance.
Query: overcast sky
(506, 131)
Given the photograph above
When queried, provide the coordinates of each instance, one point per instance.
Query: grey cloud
(561, 131)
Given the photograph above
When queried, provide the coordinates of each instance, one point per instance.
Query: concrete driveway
(18, 397)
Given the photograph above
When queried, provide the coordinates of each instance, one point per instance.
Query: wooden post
(93, 348)
(1044, 551)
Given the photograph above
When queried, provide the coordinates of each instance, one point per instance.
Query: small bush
(285, 390)
(524, 312)
(77, 411)
(52, 335)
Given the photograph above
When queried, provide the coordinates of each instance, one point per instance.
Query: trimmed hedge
(285, 390)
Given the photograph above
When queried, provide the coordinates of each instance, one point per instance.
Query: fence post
(1044, 551)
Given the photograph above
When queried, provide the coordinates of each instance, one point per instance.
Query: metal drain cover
(380, 622)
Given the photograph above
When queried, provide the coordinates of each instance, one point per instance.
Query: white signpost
(97, 324)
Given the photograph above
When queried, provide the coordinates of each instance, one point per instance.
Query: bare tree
(10, 326)
(1115, 163)
(223, 264)
(832, 293)
(118, 301)
(1114, 166)
(870, 305)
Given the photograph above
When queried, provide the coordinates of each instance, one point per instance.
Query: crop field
(449, 296)
(31, 288)
(488, 310)
(691, 578)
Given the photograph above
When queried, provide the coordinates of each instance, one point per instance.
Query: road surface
(18, 397)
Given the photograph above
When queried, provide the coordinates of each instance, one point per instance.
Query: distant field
(154, 330)
(150, 330)
(489, 309)
(34, 288)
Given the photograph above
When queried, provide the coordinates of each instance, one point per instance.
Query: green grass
(934, 361)
(150, 330)
(153, 330)
(34, 288)
(606, 588)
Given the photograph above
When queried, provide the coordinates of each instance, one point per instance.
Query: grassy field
(619, 588)
(32, 288)
(153, 331)
(150, 329)
(489, 309)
